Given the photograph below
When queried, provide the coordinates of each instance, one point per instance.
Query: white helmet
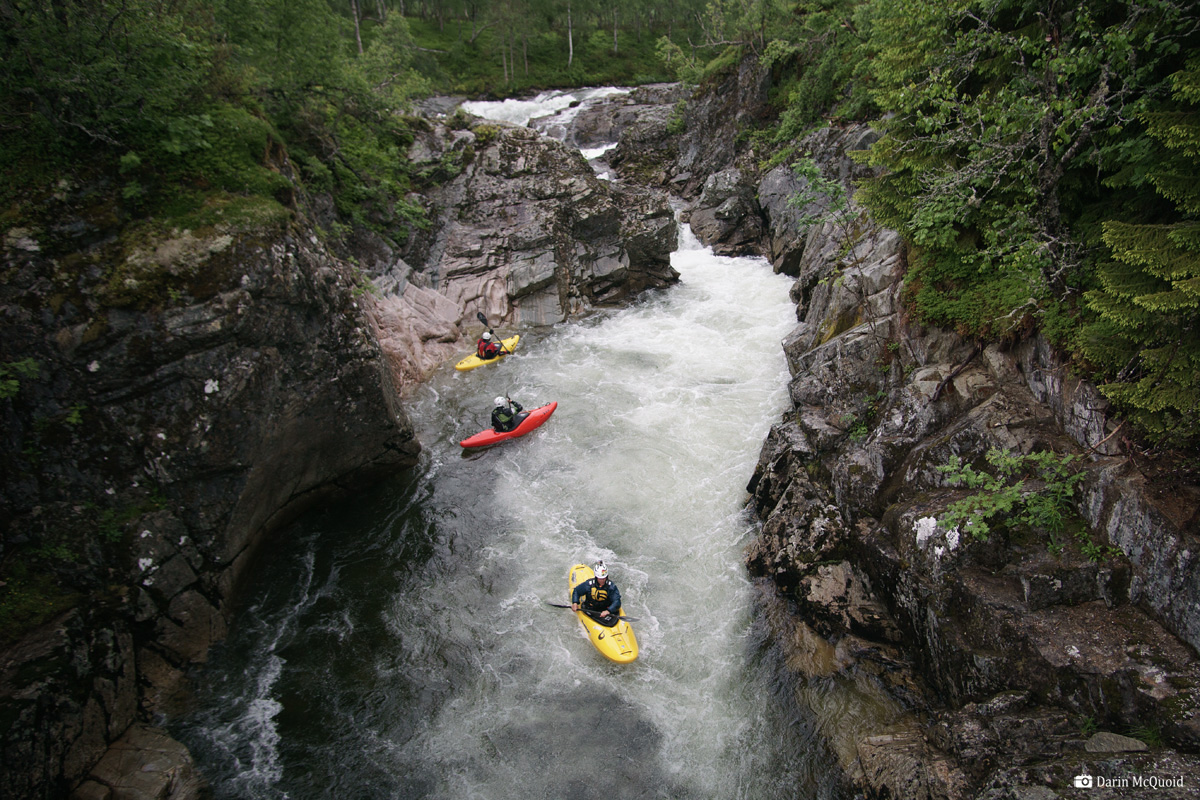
(500, 401)
(487, 335)
(601, 570)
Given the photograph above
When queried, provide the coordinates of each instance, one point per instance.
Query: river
(399, 645)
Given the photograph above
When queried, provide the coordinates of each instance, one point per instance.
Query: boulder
(144, 764)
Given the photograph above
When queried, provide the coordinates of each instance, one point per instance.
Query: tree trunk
(570, 39)
(357, 30)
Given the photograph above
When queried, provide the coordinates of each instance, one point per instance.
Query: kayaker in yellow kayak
(599, 596)
(486, 348)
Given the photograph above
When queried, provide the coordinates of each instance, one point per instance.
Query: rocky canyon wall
(154, 451)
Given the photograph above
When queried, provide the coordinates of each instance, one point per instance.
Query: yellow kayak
(616, 643)
(473, 361)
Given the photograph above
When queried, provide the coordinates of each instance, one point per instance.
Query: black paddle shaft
(567, 605)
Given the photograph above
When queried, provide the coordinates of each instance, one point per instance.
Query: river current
(399, 645)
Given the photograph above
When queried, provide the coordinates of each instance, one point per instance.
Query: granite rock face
(602, 121)
(526, 234)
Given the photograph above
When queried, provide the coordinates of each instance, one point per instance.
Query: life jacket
(488, 349)
(502, 418)
(597, 598)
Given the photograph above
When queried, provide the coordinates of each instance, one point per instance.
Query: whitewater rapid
(399, 645)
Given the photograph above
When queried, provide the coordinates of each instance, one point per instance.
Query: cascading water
(400, 645)
(562, 106)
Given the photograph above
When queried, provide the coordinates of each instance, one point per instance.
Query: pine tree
(1148, 334)
(998, 112)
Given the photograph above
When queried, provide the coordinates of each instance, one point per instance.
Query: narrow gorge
(275, 382)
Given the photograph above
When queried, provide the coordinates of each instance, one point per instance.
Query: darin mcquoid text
(1131, 782)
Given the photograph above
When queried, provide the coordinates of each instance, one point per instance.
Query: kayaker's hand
(604, 613)
(574, 606)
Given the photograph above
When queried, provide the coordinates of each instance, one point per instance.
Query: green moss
(832, 328)
(95, 329)
(236, 213)
(485, 134)
(725, 62)
(28, 598)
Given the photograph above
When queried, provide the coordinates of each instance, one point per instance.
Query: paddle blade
(479, 316)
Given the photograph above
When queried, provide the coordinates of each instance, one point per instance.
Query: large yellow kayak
(471, 362)
(616, 643)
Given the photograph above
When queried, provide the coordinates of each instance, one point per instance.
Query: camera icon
(1084, 781)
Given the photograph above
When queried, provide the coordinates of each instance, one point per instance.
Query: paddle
(560, 605)
(479, 315)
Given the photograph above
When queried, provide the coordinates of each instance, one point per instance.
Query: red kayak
(534, 420)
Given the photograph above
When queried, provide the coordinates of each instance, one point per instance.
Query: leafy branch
(11, 374)
(817, 190)
(1005, 493)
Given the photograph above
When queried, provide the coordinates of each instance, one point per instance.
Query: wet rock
(67, 690)
(900, 764)
(602, 120)
(837, 598)
(1107, 742)
(787, 221)
(727, 216)
(145, 764)
(1004, 731)
(192, 625)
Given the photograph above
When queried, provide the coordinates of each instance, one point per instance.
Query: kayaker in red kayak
(506, 415)
(522, 423)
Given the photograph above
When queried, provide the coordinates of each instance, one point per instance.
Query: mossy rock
(485, 134)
